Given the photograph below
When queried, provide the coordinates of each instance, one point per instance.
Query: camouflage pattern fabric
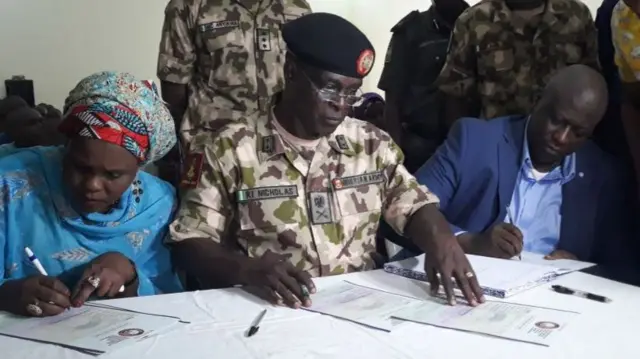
(504, 63)
(229, 52)
(245, 189)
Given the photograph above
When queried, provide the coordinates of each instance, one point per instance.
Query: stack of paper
(93, 329)
(499, 278)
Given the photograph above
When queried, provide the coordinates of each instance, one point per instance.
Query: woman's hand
(104, 277)
(37, 296)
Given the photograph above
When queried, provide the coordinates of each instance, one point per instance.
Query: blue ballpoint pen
(34, 260)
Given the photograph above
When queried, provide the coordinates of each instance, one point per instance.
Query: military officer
(503, 52)
(220, 60)
(299, 192)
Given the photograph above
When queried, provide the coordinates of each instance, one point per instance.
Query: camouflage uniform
(229, 52)
(504, 66)
(251, 190)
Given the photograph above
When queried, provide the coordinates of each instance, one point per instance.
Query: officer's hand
(504, 240)
(560, 254)
(276, 280)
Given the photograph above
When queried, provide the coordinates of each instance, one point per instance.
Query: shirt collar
(564, 173)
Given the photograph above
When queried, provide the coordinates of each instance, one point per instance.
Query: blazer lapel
(509, 158)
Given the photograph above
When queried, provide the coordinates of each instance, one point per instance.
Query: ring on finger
(34, 309)
(469, 274)
(94, 281)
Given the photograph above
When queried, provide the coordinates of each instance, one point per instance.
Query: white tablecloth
(219, 319)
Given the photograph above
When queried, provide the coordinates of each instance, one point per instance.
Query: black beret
(330, 43)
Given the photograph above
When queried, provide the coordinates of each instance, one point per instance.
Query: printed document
(359, 304)
(90, 329)
(518, 322)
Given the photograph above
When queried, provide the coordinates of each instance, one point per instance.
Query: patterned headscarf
(117, 108)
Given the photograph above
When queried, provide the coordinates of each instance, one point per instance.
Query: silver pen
(510, 220)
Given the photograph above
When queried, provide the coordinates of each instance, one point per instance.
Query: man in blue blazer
(533, 183)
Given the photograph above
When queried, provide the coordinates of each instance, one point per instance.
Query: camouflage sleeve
(590, 46)
(458, 76)
(206, 207)
(177, 53)
(403, 195)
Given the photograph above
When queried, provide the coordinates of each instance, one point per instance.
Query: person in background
(8, 105)
(609, 134)
(369, 108)
(24, 126)
(625, 30)
(503, 53)
(95, 221)
(220, 60)
(535, 183)
(298, 192)
(415, 56)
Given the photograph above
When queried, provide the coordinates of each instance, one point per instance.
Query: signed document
(92, 329)
(366, 306)
(518, 322)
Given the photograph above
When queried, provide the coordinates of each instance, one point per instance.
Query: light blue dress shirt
(536, 202)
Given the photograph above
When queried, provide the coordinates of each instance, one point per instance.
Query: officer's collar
(271, 144)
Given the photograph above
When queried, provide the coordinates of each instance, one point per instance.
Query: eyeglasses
(328, 95)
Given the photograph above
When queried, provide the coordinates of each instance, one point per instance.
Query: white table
(219, 319)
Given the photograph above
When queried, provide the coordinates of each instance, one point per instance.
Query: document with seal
(366, 306)
(91, 329)
(523, 323)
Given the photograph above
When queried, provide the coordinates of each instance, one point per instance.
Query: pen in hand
(36, 263)
(510, 220)
(255, 326)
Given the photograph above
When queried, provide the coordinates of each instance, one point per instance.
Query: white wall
(57, 42)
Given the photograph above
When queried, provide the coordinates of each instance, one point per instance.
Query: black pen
(253, 329)
(578, 293)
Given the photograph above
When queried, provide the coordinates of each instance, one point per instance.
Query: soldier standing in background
(415, 56)
(503, 52)
(220, 60)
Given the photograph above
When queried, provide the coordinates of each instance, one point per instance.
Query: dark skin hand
(114, 271)
(503, 240)
(271, 277)
(445, 260)
(49, 293)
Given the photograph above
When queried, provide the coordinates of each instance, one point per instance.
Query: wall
(57, 42)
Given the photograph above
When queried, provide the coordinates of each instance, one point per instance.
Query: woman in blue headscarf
(93, 219)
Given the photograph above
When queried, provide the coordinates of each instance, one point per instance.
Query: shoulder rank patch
(342, 142)
(359, 180)
(261, 193)
(213, 26)
(192, 170)
(268, 144)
